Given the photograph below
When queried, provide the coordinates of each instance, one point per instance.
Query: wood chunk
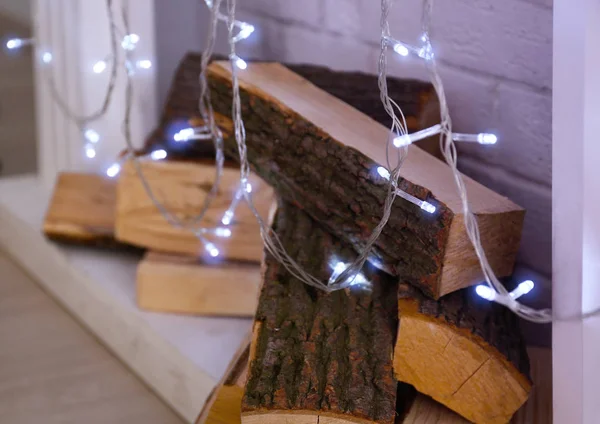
(416, 98)
(321, 155)
(464, 352)
(182, 188)
(318, 356)
(186, 285)
(82, 209)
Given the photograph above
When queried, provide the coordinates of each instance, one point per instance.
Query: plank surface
(82, 209)
(54, 372)
(180, 357)
(180, 284)
(182, 188)
(321, 155)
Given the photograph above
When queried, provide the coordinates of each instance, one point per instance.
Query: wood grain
(321, 155)
(182, 187)
(186, 285)
(82, 209)
(464, 352)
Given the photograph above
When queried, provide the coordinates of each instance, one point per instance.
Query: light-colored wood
(181, 358)
(182, 188)
(500, 219)
(82, 208)
(54, 372)
(456, 368)
(180, 284)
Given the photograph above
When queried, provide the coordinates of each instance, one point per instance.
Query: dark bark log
(318, 353)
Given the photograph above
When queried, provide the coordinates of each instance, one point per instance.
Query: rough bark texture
(336, 185)
(321, 353)
(416, 98)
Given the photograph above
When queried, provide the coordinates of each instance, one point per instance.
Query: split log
(416, 98)
(316, 355)
(182, 188)
(464, 352)
(321, 155)
(187, 285)
(82, 209)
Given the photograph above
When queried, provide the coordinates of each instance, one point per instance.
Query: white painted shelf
(180, 357)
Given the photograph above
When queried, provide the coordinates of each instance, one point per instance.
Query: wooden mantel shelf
(181, 358)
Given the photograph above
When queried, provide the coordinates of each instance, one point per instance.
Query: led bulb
(99, 66)
(401, 49)
(241, 63)
(247, 185)
(211, 249)
(90, 152)
(129, 41)
(15, 43)
(158, 154)
(113, 170)
(223, 232)
(184, 134)
(428, 207)
(339, 267)
(384, 173)
(522, 289)
(91, 136)
(485, 138)
(227, 217)
(144, 64)
(47, 57)
(485, 292)
(402, 140)
(246, 30)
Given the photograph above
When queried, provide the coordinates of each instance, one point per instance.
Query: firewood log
(82, 209)
(465, 352)
(322, 155)
(318, 356)
(188, 285)
(182, 187)
(327, 354)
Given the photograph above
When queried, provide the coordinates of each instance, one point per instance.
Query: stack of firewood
(374, 353)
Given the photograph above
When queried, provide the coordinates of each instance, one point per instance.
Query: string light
(47, 57)
(92, 136)
(90, 152)
(239, 62)
(144, 64)
(357, 279)
(493, 290)
(211, 249)
(16, 43)
(158, 154)
(113, 170)
(99, 66)
(426, 206)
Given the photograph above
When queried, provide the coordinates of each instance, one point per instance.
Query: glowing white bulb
(402, 140)
(14, 43)
(401, 49)
(246, 30)
(91, 136)
(227, 217)
(406, 139)
(129, 41)
(158, 154)
(522, 289)
(99, 66)
(428, 207)
(90, 152)
(47, 57)
(184, 134)
(223, 232)
(247, 185)
(384, 173)
(485, 138)
(485, 292)
(339, 267)
(241, 63)
(113, 170)
(144, 64)
(211, 249)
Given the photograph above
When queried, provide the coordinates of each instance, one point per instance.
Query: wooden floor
(53, 371)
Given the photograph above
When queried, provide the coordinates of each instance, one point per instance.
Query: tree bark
(322, 155)
(315, 353)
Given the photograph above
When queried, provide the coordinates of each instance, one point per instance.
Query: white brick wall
(495, 59)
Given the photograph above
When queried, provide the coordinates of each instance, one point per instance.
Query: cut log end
(464, 354)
